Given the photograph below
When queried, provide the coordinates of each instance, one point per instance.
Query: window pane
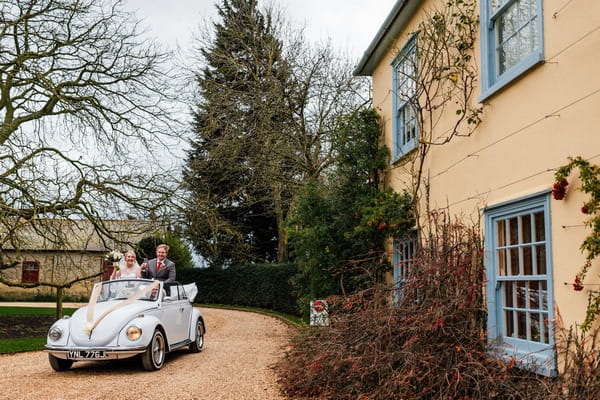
(521, 325)
(501, 233)
(544, 288)
(534, 34)
(540, 227)
(513, 226)
(545, 329)
(523, 12)
(516, 33)
(514, 261)
(508, 294)
(534, 295)
(502, 262)
(527, 260)
(521, 294)
(509, 324)
(534, 333)
(526, 228)
(502, 60)
(540, 259)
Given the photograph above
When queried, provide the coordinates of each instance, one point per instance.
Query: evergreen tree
(340, 226)
(235, 171)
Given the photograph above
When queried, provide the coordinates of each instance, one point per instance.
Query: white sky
(350, 24)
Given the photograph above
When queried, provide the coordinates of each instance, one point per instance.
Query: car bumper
(93, 353)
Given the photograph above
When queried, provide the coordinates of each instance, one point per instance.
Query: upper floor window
(511, 41)
(519, 291)
(405, 124)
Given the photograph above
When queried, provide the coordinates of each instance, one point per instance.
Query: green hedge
(254, 285)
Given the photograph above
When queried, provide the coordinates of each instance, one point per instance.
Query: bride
(128, 267)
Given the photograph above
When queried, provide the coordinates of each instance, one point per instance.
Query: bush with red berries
(424, 340)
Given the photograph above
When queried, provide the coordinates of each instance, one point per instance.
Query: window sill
(511, 76)
(402, 158)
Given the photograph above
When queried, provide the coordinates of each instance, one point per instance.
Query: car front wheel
(197, 345)
(59, 364)
(154, 356)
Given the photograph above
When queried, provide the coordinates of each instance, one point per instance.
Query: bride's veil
(122, 262)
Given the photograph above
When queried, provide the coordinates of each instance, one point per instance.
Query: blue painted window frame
(404, 253)
(534, 310)
(405, 125)
(492, 13)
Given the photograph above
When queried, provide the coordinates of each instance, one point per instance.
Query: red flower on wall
(559, 189)
(577, 286)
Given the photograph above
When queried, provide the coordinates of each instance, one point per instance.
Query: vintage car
(125, 318)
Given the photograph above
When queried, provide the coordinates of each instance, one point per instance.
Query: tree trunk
(279, 218)
(59, 302)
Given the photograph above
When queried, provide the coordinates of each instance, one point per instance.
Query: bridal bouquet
(114, 256)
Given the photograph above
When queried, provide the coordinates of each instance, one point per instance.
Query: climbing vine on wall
(441, 80)
(589, 175)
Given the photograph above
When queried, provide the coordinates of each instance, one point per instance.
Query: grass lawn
(25, 328)
(23, 344)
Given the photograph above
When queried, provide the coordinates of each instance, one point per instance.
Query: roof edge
(396, 20)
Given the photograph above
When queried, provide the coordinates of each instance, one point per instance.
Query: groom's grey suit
(166, 272)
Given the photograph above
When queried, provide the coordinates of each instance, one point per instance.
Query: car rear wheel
(59, 364)
(154, 356)
(197, 345)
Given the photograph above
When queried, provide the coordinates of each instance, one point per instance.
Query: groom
(159, 268)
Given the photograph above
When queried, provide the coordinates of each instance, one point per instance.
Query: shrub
(255, 285)
(579, 363)
(425, 340)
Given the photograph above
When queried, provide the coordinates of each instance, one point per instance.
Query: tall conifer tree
(240, 125)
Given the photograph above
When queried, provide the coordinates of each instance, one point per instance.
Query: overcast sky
(350, 24)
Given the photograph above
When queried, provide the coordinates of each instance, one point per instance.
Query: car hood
(109, 327)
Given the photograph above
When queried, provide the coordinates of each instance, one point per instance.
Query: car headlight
(55, 333)
(134, 332)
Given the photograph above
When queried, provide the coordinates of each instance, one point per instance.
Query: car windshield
(122, 289)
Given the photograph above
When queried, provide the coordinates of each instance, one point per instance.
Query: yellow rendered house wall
(529, 129)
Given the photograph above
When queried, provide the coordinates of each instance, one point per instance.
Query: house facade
(60, 251)
(535, 102)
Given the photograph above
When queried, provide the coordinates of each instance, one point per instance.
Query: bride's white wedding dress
(131, 274)
(128, 273)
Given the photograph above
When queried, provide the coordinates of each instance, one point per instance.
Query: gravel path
(236, 364)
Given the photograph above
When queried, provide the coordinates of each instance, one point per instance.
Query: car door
(176, 315)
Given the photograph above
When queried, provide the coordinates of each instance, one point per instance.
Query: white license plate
(84, 354)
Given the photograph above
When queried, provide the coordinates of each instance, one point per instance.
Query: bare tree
(84, 101)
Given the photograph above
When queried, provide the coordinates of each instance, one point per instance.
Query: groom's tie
(158, 266)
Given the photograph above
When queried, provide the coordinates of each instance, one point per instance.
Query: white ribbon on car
(91, 324)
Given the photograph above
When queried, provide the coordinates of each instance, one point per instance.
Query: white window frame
(536, 350)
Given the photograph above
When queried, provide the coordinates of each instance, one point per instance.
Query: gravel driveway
(236, 364)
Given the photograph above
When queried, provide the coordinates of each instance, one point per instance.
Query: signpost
(319, 313)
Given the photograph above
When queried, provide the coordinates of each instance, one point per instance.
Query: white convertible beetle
(127, 317)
